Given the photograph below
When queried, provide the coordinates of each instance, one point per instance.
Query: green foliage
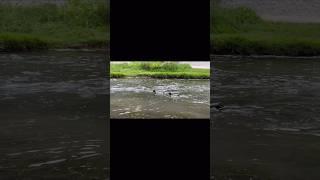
(241, 31)
(85, 13)
(163, 66)
(21, 43)
(248, 45)
(227, 20)
(158, 70)
(78, 22)
(150, 66)
(75, 13)
(117, 75)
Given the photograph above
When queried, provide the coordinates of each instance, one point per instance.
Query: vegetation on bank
(161, 70)
(241, 31)
(76, 24)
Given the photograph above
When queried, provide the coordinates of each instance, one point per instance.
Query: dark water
(134, 98)
(53, 116)
(270, 127)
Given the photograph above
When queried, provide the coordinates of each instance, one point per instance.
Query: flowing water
(270, 125)
(134, 98)
(53, 116)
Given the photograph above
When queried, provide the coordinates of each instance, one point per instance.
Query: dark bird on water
(218, 106)
(154, 92)
(170, 94)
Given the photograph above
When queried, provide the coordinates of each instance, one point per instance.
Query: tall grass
(158, 70)
(166, 66)
(155, 66)
(241, 31)
(226, 20)
(76, 23)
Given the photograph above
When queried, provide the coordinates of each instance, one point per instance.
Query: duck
(154, 92)
(219, 106)
(173, 94)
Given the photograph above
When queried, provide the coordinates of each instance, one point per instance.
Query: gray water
(134, 98)
(53, 116)
(270, 125)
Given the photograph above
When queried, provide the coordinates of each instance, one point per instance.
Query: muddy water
(270, 127)
(134, 98)
(53, 116)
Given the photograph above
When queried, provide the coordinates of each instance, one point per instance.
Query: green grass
(158, 70)
(241, 31)
(77, 24)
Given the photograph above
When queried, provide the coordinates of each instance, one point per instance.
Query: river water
(270, 125)
(134, 98)
(53, 116)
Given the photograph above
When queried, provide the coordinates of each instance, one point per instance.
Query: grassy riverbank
(77, 24)
(241, 31)
(157, 70)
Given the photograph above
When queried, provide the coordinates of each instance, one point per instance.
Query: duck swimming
(174, 94)
(218, 106)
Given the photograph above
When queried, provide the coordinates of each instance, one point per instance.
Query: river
(53, 116)
(134, 98)
(270, 125)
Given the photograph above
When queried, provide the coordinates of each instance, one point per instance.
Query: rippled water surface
(134, 98)
(270, 125)
(53, 116)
